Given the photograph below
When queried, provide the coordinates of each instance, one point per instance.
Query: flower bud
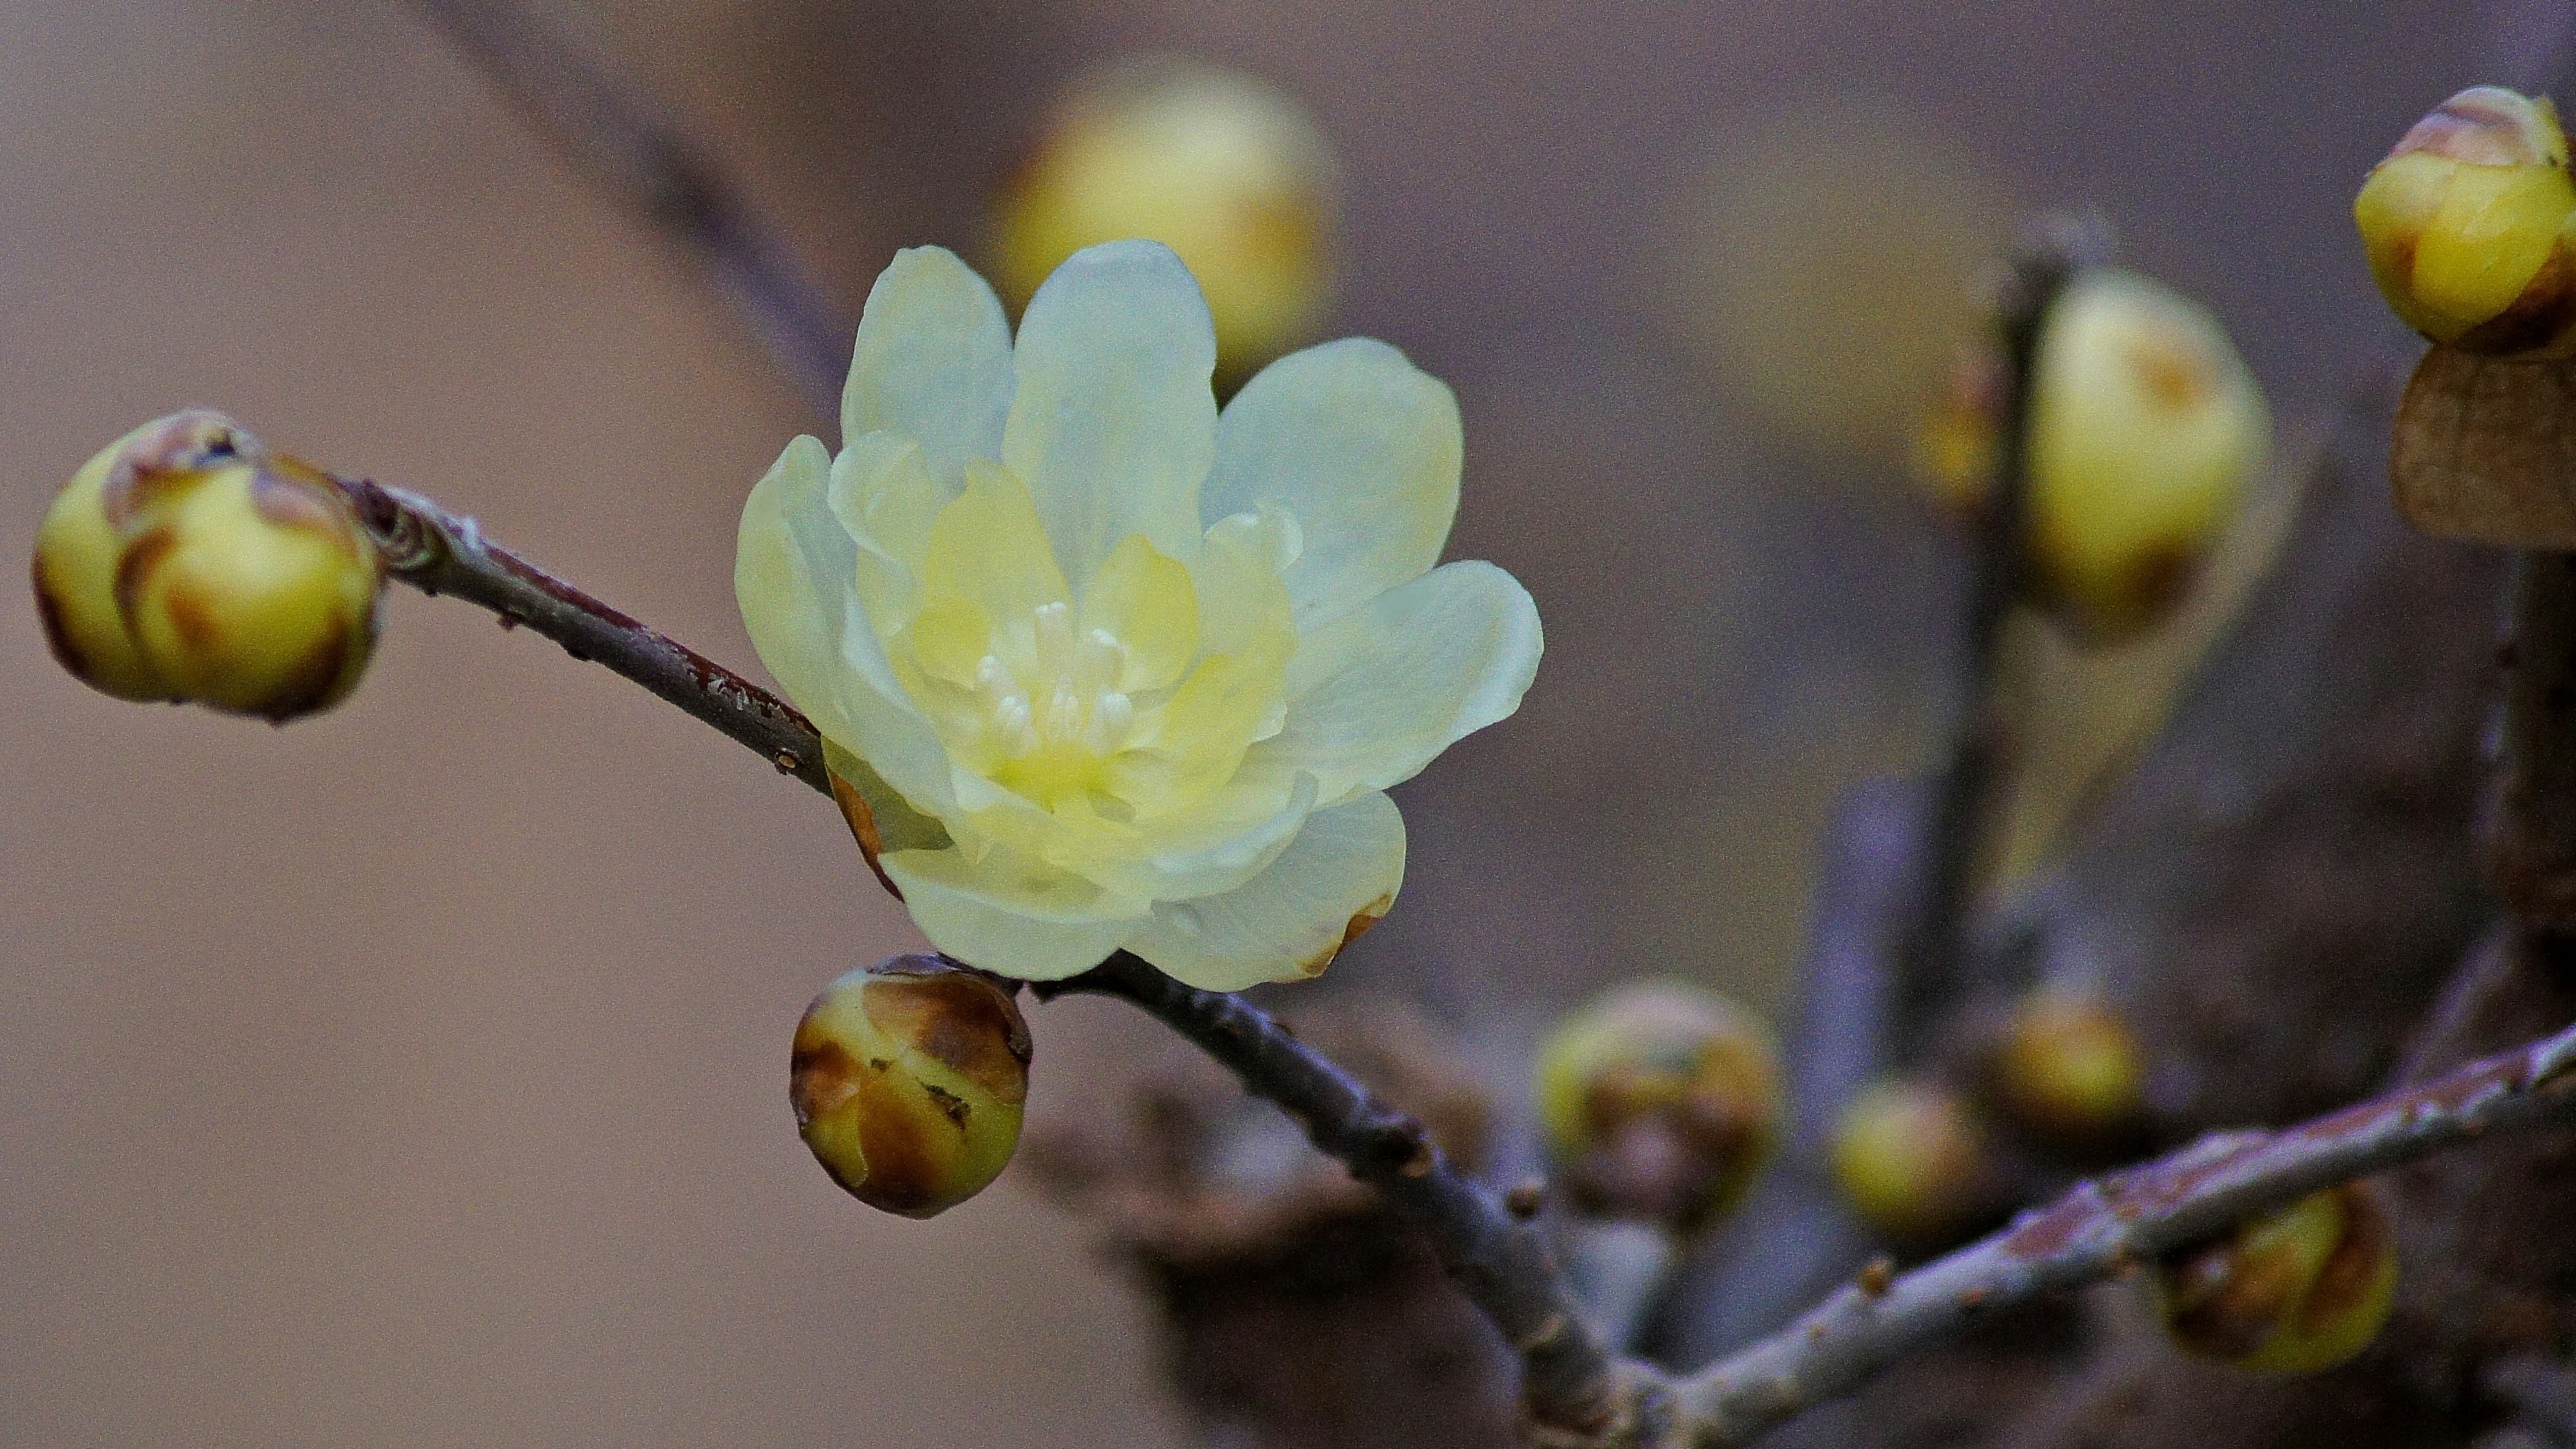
(2467, 226)
(1660, 1102)
(2299, 1289)
(1222, 169)
(908, 1079)
(2070, 1071)
(185, 563)
(1910, 1159)
(2145, 429)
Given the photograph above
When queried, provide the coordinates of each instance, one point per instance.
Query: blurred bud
(2296, 1290)
(1222, 169)
(908, 1078)
(2467, 226)
(2069, 1070)
(1660, 1102)
(1910, 1159)
(185, 563)
(2145, 429)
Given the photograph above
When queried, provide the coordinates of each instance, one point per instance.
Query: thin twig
(1964, 787)
(1573, 1389)
(645, 161)
(2104, 1227)
(438, 552)
(2531, 816)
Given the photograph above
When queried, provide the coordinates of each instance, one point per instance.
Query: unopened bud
(908, 1078)
(2299, 1289)
(2467, 225)
(1660, 1102)
(2145, 429)
(184, 562)
(2070, 1071)
(1224, 170)
(1910, 1159)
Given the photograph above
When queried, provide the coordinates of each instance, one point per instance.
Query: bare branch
(1964, 787)
(624, 140)
(2104, 1227)
(438, 552)
(1573, 1389)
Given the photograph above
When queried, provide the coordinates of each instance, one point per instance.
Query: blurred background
(414, 1075)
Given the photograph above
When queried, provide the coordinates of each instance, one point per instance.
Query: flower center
(1052, 709)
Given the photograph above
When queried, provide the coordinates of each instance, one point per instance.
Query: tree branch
(437, 552)
(2105, 1227)
(1574, 1391)
(625, 141)
(1963, 788)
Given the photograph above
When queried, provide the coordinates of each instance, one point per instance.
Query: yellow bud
(1660, 1102)
(908, 1078)
(2145, 429)
(2071, 1071)
(2468, 226)
(1220, 168)
(1910, 1159)
(184, 562)
(2296, 1290)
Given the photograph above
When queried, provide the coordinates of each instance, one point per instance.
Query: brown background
(413, 1076)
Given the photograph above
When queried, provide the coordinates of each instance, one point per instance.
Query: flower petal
(1375, 695)
(1362, 448)
(1146, 600)
(1007, 915)
(1113, 423)
(1340, 874)
(794, 567)
(882, 492)
(933, 362)
(988, 547)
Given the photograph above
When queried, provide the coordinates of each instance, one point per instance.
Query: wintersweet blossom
(1098, 667)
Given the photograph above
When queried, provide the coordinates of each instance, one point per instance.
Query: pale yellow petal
(933, 362)
(1193, 743)
(1376, 694)
(1114, 423)
(950, 638)
(1240, 579)
(1335, 879)
(882, 493)
(1008, 915)
(794, 572)
(1218, 841)
(987, 546)
(897, 824)
(1144, 599)
(1363, 449)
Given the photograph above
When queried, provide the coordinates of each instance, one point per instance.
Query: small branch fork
(1577, 1393)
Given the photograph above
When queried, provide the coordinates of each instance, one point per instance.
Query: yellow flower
(2470, 226)
(1101, 668)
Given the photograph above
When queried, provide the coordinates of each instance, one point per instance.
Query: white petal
(1015, 918)
(933, 362)
(1113, 424)
(1378, 693)
(795, 570)
(1362, 448)
(1340, 874)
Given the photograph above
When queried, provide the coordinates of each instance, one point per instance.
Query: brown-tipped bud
(2299, 1289)
(2470, 226)
(183, 562)
(1223, 170)
(2145, 429)
(2070, 1071)
(908, 1079)
(1910, 1159)
(1660, 1103)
